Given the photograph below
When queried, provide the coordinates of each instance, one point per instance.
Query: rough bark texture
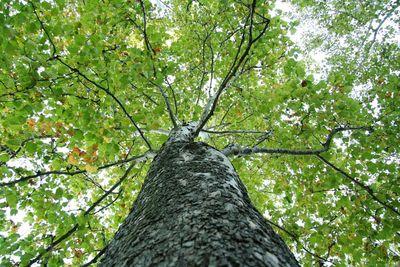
(193, 210)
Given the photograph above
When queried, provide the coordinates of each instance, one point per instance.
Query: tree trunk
(193, 210)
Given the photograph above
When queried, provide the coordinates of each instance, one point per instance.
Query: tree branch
(108, 92)
(360, 184)
(96, 258)
(108, 204)
(231, 75)
(145, 156)
(236, 132)
(172, 116)
(145, 36)
(238, 150)
(173, 96)
(44, 29)
(76, 226)
(13, 153)
(297, 240)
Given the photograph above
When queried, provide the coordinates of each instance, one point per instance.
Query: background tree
(88, 88)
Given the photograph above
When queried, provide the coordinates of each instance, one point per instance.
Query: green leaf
(12, 198)
(31, 147)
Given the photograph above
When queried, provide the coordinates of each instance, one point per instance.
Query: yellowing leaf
(90, 168)
(31, 123)
(72, 160)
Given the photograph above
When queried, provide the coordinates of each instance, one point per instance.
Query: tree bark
(193, 210)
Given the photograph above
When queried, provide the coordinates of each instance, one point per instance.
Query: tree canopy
(91, 89)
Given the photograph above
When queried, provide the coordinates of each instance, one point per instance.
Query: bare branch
(203, 56)
(53, 244)
(376, 29)
(173, 96)
(5, 86)
(148, 45)
(109, 204)
(150, 98)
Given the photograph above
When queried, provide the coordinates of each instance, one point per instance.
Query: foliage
(89, 89)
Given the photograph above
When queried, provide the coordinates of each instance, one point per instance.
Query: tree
(194, 211)
(91, 91)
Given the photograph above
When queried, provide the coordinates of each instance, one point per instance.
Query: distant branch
(173, 96)
(376, 30)
(76, 226)
(360, 184)
(14, 153)
(232, 73)
(145, 156)
(145, 36)
(108, 92)
(297, 240)
(108, 204)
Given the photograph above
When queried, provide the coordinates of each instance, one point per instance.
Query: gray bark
(193, 210)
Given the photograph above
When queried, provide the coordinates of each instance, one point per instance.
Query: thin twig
(173, 96)
(109, 204)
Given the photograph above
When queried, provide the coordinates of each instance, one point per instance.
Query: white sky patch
(171, 78)
(40, 70)
(300, 223)
(21, 163)
(71, 207)
(210, 87)
(161, 8)
(63, 150)
(339, 144)
(376, 108)
(361, 90)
